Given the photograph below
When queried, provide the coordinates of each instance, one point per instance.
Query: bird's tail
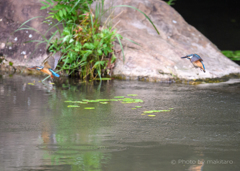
(54, 73)
(203, 66)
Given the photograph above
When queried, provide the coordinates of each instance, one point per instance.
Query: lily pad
(138, 106)
(119, 97)
(151, 115)
(132, 95)
(84, 102)
(73, 106)
(104, 102)
(155, 111)
(115, 100)
(103, 79)
(165, 110)
(93, 101)
(170, 108)
(89, 108)
(138, 100)
(31, 84)
(148, 112)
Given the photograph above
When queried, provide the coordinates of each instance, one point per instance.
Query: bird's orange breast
(198, 64)
(44, 70)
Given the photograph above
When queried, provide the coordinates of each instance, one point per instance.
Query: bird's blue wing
(196, 58)
(54, 73)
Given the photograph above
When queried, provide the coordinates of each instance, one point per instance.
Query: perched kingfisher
(50, 64)
(196, 61)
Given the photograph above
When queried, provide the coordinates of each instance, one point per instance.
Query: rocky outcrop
(158, 56)
(12, 44)
(156, 59)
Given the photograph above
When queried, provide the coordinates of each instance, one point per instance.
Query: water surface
(38, 131)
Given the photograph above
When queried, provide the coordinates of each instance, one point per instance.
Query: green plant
(233, 55)
(170, 2)
(87, 47)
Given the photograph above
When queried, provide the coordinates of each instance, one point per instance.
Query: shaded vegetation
(233, 55)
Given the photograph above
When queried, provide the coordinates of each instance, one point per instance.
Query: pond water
(200, 129)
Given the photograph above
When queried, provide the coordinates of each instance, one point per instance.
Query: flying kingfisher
(196, 61)
(50, 64)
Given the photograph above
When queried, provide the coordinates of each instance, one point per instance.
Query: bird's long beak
(185, 57)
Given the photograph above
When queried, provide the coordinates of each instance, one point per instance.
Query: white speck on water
(174, 21)
(168, 37)
(175, 67)
(0, 19)
(15, 39)
(23, 52)
(10, 47)
(40, 50)
(26, 31)
(29, 101)
(30, 35)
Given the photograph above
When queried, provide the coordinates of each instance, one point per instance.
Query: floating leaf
(155, 111)
(10, 63)
(73, 106)
(103, 79)
(93, 101)
(148, 111)
(68, 101)
(73, 101)
(132, 95)
(138, 106)
(143, 114)
(114, 100)
(170, 108)
(86, 100)
(51, 83)
(89, 108)
(77, 102)
(134, 108)
(104, 102)
(119, 97)
(164, 110)
(31, 84)
(151, 115)
(138, 101)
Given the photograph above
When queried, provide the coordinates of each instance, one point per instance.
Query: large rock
(12, 14)
(158, 57)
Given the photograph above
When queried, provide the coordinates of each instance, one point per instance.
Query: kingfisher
(50, 64)
(196, 61)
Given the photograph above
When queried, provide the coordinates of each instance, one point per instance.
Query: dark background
(218, 20)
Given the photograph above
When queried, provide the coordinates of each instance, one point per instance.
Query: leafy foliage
(85, 45)
(233, 55)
